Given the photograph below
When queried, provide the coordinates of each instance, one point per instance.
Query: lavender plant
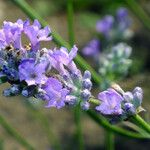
(52, 76)
(49, 75)
(111, 53)
(59, 78)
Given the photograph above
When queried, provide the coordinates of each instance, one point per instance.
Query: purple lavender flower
(11, 34)
(105, 25)
(122, 13)
(55, 92)
(61, 58)
(92, 48)
(123, 18)
(36, 34)
(32, 73)
(110, 102)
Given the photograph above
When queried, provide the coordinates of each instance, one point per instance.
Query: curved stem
(10, 130)
(105, 124)
(140, 122)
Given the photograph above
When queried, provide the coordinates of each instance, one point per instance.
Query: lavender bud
(25, 93)
(7, 92)
(85, 94)
(129, 108)
(87, 75)
(71, 100)
(87, 84)
(138, 89)
(15, 89)
(85, 105)
(128, 96)
(138, 98)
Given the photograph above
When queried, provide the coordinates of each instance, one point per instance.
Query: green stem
(70, 22)
(105, 124)
(139, 12)
(10, 130)
(79, 136)
(77, 110)
(45, 124)
(140, 122)
(109, 140)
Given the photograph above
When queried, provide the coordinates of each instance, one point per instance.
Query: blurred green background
(61, 122)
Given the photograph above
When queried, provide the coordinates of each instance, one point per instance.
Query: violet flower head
(55, 92)
(105, 25)
(31, 72)
(10, 34)
(36, 34)
(62, 58)
(110, 102)
(122, 13)
(124, 21)
(92, 48)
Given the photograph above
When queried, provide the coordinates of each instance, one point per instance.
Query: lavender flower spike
(105, 25)
(110, 102)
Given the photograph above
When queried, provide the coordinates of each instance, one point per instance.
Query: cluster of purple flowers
(49, 75)
(117, 27)
(113, 30)
(118, 105)
(52, 76)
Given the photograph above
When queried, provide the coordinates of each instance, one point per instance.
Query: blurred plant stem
(45, 125)
(83, 64)
(77, 110)
(78, 134)
(109, 140)
(70, 17)
(139, 12)
(140, 122)
(12, 132)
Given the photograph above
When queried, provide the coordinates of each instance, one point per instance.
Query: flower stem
(120, 131)
(79, 135)
(77, 110)
(12, 132)
(140, 122)
(109, 140)
(70, 22)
